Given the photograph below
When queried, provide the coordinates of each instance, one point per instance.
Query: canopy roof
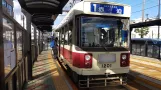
(43, 12)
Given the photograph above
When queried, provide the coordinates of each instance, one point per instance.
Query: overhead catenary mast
(143, 10)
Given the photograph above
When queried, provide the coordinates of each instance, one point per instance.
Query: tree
(143, 31)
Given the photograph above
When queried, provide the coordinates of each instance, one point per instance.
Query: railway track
(63, 71)
(133, 83)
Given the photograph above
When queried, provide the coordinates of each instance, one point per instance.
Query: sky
(18, 13)
(151, 8)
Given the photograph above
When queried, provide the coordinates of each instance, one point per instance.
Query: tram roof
(79, 9)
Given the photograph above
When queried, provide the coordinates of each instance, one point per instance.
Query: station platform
(147, 70)
(47, 75)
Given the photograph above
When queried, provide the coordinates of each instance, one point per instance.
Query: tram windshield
(104, 31)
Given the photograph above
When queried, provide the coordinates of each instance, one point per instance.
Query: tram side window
(70, 33)
(70, 38)
(66, 38)
(62, 37)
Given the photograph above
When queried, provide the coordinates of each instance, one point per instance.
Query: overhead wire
(117, 0)
(145, 9)
(142, 3)
(148, 1)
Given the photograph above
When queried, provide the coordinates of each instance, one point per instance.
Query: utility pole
(147, 16)
(152, 33)
(159, 18)
(143, 10)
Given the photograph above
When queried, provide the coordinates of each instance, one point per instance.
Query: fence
(146, 47)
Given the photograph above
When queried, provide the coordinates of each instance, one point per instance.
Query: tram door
(70, 35)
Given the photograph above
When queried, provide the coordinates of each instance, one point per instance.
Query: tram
(94, 43)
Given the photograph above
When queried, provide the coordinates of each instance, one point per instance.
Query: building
(8, 6)
(153, 30)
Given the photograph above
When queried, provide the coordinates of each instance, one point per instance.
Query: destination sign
(107, 8)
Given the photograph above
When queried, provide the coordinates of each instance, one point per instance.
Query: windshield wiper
(104, 47)
(107, 45)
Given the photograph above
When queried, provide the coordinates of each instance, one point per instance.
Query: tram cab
(94, 40)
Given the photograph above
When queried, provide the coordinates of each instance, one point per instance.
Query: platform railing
(147, 50)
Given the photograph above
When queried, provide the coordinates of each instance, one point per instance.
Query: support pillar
(2, 75)
(35, 41)
(130, 45)
(28, 46)
(43, 45)
(39, 42)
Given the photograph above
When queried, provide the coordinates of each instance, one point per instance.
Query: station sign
(107, 8)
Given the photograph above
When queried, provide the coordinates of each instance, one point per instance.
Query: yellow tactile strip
(58, 80)
(146, 68)
(146, 75)
(147, 59)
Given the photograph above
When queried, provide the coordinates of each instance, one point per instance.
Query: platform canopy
(43, 12)
(146, 24)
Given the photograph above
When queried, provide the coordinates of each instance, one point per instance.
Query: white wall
(153, 33)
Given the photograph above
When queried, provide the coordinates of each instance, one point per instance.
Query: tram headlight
(124, 57)
(87, 57)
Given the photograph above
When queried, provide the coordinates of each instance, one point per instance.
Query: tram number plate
(106, 65)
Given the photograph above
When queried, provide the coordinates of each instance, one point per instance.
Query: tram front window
(106, 32)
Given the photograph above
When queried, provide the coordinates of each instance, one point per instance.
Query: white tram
(93, 42)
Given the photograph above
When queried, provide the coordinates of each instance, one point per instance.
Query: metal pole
(152, 33)
(2, 72)
(159, 26)
(147, 16)
(159, 18)
(143, 11)
(29, 55)
(23, 21)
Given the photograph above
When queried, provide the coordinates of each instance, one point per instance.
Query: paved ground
(49, 75)
(147, 70)
(46, 75)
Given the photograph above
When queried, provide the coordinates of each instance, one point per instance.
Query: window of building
(9, 48)
(10, 8)
(4, 3)
(19, 43)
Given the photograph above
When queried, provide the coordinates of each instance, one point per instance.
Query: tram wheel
(69, 71)
(75, 77)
